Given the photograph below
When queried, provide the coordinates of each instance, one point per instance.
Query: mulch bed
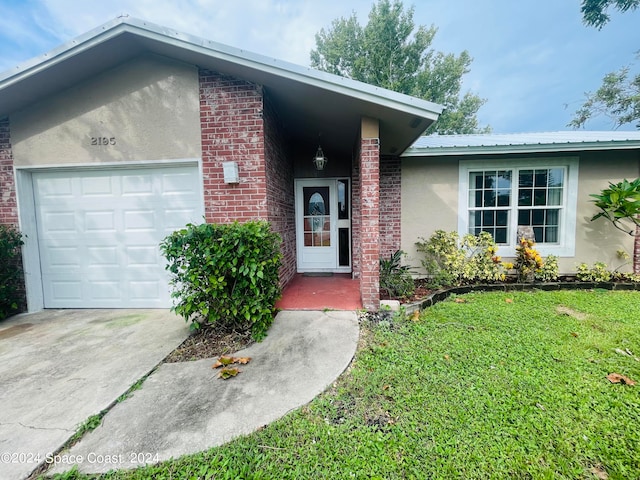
(209, 342)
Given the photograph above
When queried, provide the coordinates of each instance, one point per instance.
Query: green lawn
(486, 385)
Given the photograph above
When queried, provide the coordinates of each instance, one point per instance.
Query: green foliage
(396, 278)
(618, 98)
(528, 260)
(390, 52)
(10, 271)
(450, 261)
(549, 271)
(620, 204)
(594, 12)
(225, 274)
(597, 273)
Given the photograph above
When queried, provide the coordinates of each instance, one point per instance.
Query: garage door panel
(99, 234)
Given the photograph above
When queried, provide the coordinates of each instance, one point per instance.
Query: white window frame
(567, 236)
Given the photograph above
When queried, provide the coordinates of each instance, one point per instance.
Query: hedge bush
(225, 274)
(10, 271)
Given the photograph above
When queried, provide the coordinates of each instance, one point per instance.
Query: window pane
(538, 233)
(525, 197)
(475, 198)
(500, 235)
(541, 178)
(504, 197)
(537, 217)
(524, 217)
(489, 198)
(553, 217)
(526, 178)
(554, 196)
(475, 180)
(540, 196)
(490, 179)
(488, 218)
(551, 235)
(556, 177)
(501, 218)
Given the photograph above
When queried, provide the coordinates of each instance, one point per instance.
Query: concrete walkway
(182, 407)
(59, 367)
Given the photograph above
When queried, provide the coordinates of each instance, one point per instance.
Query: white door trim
(330, 262)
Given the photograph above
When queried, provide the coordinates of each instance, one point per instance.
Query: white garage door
(99, 233)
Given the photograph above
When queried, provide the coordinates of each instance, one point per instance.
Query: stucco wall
(430, 202)
(149, 107)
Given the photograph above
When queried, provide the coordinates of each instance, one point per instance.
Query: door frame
(335, 223)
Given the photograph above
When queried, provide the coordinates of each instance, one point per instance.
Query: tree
(619, 95)
(594, 12)
(620, 204)
(390, 52)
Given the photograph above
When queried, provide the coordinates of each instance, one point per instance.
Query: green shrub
(10, 271)
(549, 271)
(225, 274)
(597, 273)
(443, 258)
(396, 278)
(450, 261)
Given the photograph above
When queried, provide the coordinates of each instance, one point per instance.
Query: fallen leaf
(460, 300)
(599, 472)
(226, 373)
(415, 316)
(540, 406)
(242, 360)
(447, 357)
(574, 334)
(385, 387)
(224, 360)
(617, 378)
(217, 364)
(508, 300)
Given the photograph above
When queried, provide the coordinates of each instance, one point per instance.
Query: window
(502, 196)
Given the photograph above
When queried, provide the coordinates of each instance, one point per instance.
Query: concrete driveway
(59, 367)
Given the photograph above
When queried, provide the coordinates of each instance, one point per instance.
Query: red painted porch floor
(309, 292)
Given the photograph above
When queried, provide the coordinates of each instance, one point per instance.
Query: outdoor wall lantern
(320, 161)
(230, 171)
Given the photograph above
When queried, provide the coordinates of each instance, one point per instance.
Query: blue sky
(533, 59)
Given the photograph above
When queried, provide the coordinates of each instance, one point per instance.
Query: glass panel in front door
(317, 220)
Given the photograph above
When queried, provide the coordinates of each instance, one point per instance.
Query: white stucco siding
(145, 109)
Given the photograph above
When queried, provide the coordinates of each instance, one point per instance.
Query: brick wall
(356, 218)
(232, 129)
(390, 205)
(369, 176)
(8, 203)
(280, 190)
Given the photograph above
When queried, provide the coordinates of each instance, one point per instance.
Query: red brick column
(232, 129)
(8, 203)
(636, 252)
(390, 205)
(370, 223)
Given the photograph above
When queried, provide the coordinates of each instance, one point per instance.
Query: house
(127, 133)
(500, 182)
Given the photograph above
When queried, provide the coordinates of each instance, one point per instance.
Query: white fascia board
(529, 148)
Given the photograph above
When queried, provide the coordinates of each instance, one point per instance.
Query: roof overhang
(504, 144)
(309, 102)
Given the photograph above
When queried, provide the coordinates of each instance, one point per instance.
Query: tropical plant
(395, 278)
(620, 204)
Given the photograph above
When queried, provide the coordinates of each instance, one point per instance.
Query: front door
(323, 225)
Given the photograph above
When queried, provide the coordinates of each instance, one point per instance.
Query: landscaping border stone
(440, 295)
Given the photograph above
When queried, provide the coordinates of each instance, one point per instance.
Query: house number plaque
(103, 140)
